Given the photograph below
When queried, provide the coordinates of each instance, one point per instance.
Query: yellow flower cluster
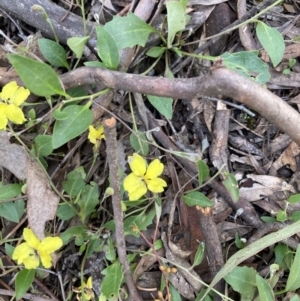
(143, 177)
(11, 98)
(87, 289)
(33, 250)
(96, 135)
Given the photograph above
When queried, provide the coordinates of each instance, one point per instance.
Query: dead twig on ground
(112, 158)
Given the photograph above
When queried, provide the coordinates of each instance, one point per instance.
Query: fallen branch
(219, 82)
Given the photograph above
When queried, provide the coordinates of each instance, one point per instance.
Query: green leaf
(162, 104)
(77, 44)
(203, 171)
(9, 249)
(88, 200)
(110, 253)
(272, 41)
(196, 198)
(238, 242)
(71, 233)
(199, 254)
(141, 221)
(129, 31)
(247, 64)
(12, 211)
(203, 293)
(75, 182)
(43, 145)
(176, 19)
(77, 92)
(175, 296)
(78, 121)
(107, 48)
(295, 216)
(32, 114)
(293, 282)
(65, 212)
(9, 191)
(138, 145)
(58, 114)
(283, 256)
(23, 281)
(281, 216)
(94, 64)
(295, 298)
(243, 281)
(295, 198)
(265, 291)
(268, 219)
(156, 51)
(231, 185)
(112, 281)
(95, 246)
(54, 53)
(38, 77)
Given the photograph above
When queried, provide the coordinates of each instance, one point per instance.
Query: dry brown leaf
(178, 251)
(42, 202)
(288, 156)
(265, 186)
(209, 114)
(146, 262)
(12, 156)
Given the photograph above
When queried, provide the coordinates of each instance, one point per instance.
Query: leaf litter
(264, 161)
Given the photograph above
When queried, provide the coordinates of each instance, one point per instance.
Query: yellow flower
(87, 289)
(143, 178)
(95, 135)
(32, 250)
(11, 98)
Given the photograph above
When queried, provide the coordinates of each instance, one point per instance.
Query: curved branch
(219, 82)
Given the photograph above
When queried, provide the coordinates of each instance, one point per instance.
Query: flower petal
(19, 96)
(134, 195)
(14, 114)
(50, 245)
(132, 182)
(156, 185)
(30, 238)
(154, 170)
(96, 134)
(47, 246)
(3, 119)
(22, 251)
(31, 262)
(89, 283)
(8, 90)
(46, 260)
(25, 254)
(137, 164)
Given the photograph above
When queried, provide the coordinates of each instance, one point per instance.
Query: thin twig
(112, 158)
(31, 297)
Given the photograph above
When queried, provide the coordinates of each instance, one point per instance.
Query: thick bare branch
(219, 82)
